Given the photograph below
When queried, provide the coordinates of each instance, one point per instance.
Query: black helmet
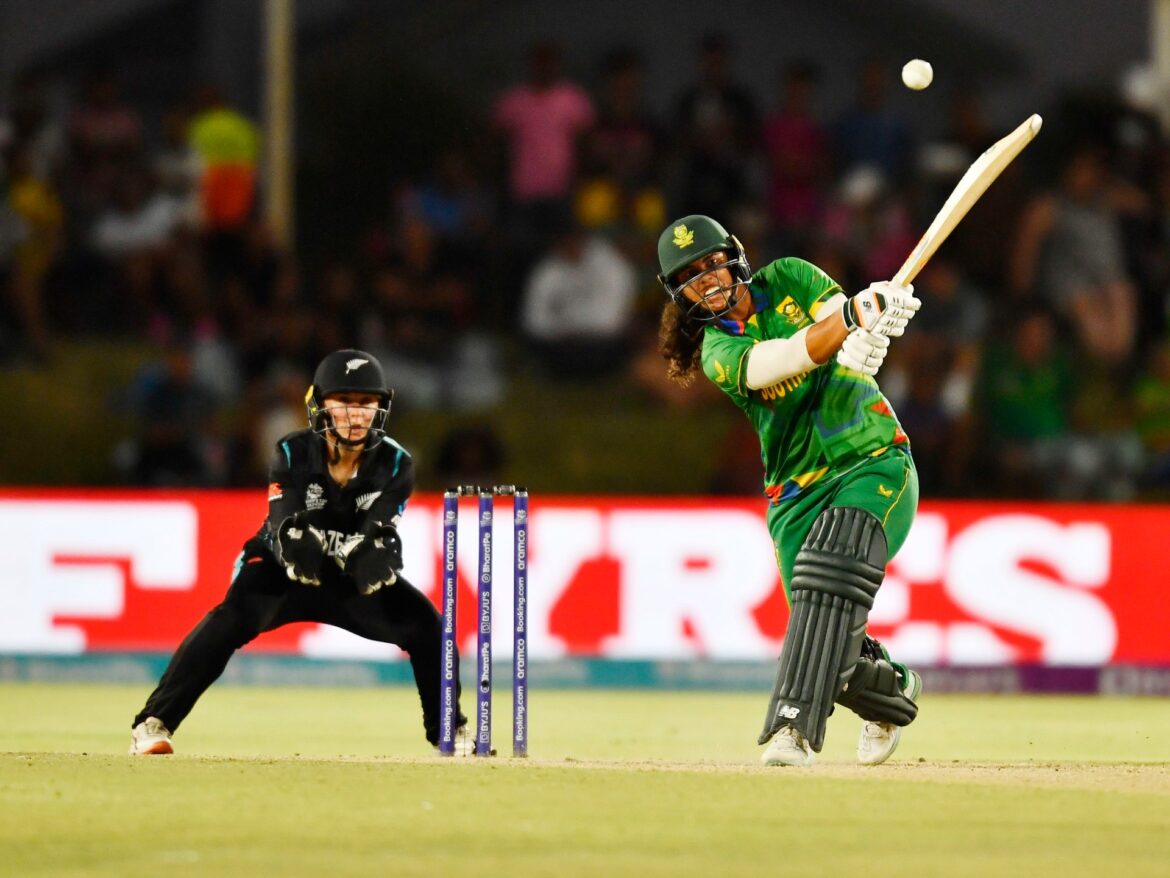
(348, 371)
(691, 238)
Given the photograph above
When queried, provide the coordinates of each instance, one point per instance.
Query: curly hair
(680, 341)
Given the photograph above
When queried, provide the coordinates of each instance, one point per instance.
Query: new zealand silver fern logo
(365, 501)
(355, 363)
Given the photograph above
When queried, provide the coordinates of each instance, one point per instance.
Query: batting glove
(372, 560)
(882, 307)
(301, 549)
(863, 351)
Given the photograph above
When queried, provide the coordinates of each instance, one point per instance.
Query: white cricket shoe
(789, 747)
(150, 738)
(878, 741)
(464, 741)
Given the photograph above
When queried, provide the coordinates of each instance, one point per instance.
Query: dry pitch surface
(338, 782)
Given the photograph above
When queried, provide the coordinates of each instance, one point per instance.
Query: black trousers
(262, 598)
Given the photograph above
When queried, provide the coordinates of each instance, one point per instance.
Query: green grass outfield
(338, 782)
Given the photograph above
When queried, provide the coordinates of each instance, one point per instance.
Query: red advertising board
(975, 584)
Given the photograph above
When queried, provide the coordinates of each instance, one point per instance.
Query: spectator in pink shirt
(543, 120)
(796, 150)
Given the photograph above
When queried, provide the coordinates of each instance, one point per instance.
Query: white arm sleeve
(832, 306)
(774, 360)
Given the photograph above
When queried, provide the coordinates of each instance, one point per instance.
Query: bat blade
(967, 191)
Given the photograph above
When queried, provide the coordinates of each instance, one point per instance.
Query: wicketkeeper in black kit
(328, 552)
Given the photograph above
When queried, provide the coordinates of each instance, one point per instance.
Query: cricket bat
(967, 191)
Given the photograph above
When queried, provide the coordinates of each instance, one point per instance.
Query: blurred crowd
(1039, 365)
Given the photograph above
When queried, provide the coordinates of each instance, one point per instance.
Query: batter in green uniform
(798, 357)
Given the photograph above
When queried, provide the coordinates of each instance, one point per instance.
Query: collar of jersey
(739, 327)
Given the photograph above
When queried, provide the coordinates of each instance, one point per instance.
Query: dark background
(383, 90)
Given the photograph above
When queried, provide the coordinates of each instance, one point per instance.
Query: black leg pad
(835, 578)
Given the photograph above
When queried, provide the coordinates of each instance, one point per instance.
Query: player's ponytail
(680, 341)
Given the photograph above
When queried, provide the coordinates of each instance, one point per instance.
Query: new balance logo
(788, 711)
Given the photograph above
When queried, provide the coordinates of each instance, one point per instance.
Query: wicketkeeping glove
(882, 308)
(300, 547)
(863, 351)
(372, 560)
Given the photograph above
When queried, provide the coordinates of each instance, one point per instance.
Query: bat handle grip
(905, 275)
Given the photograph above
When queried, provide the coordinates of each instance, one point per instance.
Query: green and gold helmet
(691, 238)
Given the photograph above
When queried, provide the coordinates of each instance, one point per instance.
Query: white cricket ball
(917, 74)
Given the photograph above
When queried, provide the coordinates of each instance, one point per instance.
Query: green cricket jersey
(812, 426)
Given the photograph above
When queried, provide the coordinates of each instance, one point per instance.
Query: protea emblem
(350, 365)
(683, 237)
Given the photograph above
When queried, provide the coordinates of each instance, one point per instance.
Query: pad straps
(874, 692)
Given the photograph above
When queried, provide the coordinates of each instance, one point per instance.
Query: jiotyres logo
(973, 584)
(76, 560)
(1014, 588)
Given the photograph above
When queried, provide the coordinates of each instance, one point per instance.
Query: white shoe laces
(155, 728)
(792, 736)
(876, 730)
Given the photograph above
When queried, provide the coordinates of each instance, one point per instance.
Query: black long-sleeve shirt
(299, 480)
